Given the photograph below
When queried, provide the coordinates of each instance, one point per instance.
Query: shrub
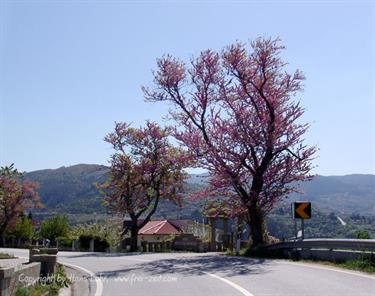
(362, 234)
(100, 244)
(64, 241)
(261, 251)
(84, 241)
(22, 291)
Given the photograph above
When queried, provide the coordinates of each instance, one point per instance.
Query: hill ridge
(71, 189)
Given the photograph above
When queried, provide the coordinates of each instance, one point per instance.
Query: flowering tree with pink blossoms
(15, 196)
(235, 110)
(145, 169)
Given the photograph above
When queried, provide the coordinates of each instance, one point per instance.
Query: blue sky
(69, 69)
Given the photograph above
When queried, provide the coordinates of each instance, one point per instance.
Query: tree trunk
(134, 238)
(256, 224)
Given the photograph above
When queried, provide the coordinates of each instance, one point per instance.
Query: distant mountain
(341, 194)
(72, 190)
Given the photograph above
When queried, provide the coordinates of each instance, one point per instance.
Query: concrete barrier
(42, 262)
(48, 263)
(6, 275)
(12, 278)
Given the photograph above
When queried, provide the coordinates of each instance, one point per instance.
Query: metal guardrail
(328, 244)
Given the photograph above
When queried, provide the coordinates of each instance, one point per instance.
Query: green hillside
(71, 191)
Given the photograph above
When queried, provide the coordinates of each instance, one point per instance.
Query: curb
(82, 282)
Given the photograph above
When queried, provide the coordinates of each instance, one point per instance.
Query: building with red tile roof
(160, 230)
(163, 227)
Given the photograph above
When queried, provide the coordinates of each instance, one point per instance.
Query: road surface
(189, 274)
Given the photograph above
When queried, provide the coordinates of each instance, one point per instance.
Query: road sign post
(303, 228)
(301, 210)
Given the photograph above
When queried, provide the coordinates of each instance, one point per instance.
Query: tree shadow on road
(226, 266)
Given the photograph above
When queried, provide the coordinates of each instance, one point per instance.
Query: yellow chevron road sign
(301, 210)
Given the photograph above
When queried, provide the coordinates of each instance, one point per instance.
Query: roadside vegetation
(322, 224)
(48, 286)
(364, 264)
(56, 231)
(6, 256)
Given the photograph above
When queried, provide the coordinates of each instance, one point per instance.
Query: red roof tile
(159, 227)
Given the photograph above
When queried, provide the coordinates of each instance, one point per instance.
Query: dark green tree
(23, 229)
(362, 234)
(54, 227)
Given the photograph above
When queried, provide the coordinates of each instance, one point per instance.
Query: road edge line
(242, 290)
(230, 283)
(98, 281)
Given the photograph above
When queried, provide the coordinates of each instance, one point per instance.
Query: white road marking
(316, 266)
(240, 289)
(230, 283)
(99, 283)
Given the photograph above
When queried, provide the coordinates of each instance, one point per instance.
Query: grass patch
(364, 264)
(361, 264)
(47, 286)
(6, 256)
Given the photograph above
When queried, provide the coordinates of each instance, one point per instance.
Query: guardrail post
(212, 221)
(74, 245)
(92, 246)
(303, 229)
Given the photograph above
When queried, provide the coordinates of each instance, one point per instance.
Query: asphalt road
(212, 275)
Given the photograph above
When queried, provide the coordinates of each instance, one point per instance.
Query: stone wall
(23, 275)
(42, 262)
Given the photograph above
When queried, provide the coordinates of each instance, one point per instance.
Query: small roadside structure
(161, 230)
(162, 235)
